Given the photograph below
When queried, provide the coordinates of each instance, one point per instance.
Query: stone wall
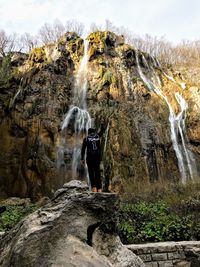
(168, 254)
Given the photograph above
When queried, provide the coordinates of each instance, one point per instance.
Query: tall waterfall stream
(186, 160)
(77, 119)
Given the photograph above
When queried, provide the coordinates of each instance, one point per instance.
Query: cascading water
(127, 80)
(191, 163)
(177, 123)
(157, 64)
(77, 120)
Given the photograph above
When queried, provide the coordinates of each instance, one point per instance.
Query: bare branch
(74, 26)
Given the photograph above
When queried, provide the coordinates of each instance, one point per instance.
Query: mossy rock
(101, 71)
(37, 55)
(91, 51)
(97, 42)
(75, 48)
(107, 78)
(96, 37)
(68, 36)
(5, 72)
(114, 79)
(100, 42)
(106, 38)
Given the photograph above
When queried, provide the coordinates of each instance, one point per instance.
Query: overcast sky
(174, 19)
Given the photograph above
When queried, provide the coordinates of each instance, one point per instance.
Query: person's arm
(83, 149)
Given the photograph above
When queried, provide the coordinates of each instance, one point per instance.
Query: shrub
(152, 222)
(13, 215)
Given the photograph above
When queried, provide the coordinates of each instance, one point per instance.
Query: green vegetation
(174, 216)
(5, 71)
(14, 214)
(107, 78)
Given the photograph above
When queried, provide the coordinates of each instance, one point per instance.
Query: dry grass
(169, 192)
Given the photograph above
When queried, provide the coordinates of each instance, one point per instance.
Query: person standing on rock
(93, 158)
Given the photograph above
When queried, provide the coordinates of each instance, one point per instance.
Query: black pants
(94, 172)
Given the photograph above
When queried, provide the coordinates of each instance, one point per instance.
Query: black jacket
(92, 143)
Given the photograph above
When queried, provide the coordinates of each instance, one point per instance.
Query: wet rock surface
(77, 228)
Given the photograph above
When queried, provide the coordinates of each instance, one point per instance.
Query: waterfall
(80, 88)
(182, 84)
(177, 123)
(126, 80)
(189, 157)
(181, 127)
(77, 120)
(106, 138)
(12, 102)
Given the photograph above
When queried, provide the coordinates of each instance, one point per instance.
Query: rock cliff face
(127, 92)
(77, 228)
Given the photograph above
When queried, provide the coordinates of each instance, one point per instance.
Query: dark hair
(91, 130)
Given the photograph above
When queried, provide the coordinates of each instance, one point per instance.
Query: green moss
(38, 57)
(38, 53)
(135, 79)
(14, 214)
(107, 78)
(79, 42)
(5, 71)
(74, 45)
(101, 71)
(97, 39)
(91, 51)
(114, 80)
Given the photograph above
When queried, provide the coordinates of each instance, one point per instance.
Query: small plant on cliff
(5, 71)
(14, 214)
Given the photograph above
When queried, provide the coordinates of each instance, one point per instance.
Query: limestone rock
(61, 233)
(111, 247)
(18, 58)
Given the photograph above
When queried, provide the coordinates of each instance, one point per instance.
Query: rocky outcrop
(33, 99)
(36, 91)
(77, 228)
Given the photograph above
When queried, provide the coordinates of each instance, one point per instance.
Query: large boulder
(77, 228)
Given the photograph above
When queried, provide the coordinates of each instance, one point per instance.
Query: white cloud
(175, 19)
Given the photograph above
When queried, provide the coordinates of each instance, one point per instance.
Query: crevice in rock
(90, 231)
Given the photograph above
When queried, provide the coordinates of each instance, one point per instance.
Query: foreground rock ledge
(77, 228)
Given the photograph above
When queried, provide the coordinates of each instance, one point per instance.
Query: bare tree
(49, 33)
(109, 26)
(27, 42)
(3, 42)
(58, 28)
(74, 26)
(186, 53)
(8, 43)
(94, 27)
(46, 34)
